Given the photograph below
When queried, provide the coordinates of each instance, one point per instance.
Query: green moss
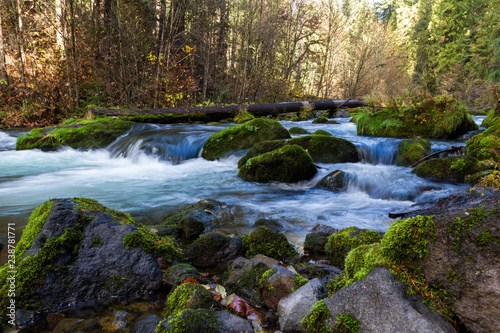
(327, 149)
(486, 145)
(491, 119)
(410, 151)
(297, 130)
(243, 116)
(340, 243)
(451, 168)
(188, 296)
(346, 323)
(263, 280)
(192, 320)
(320, 120)
(152, 244)
(299, 281)
(81, 134)
(97, 241)
(261, 148)
(315, 243)
(322, 132)
(471, 227)
(242, 137)
(92, 207)
(289, 164)
(441, 117)
(180, 272)
(247, 283)
(314, 322)
(263, 240)
(35, 224)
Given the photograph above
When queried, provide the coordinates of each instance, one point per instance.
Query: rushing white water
(154, 170)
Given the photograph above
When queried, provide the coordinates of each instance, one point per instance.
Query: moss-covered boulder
(340, 243)
(297, 130)
(76, 250)
(441, 117)
(243, 136)
(491, 119)
(315, 243)
(486, 145)
(195, 219)
(448, 169)
(278, 282)
(188, 296)
(270, 223)
(261, 148)
(327, 149)
(177, 274)
(214, 249)
(289, 164)
(263, 240)
(192, 320)
(77, 134)
(451, 259)
(320, 120)
(412, 150)
(322, 132)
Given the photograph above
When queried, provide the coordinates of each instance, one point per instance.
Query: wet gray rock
(294, 307)
(146, 325)
(467, 136)
(234, 324)
(214, 249)
(336, 181)
(380, 304)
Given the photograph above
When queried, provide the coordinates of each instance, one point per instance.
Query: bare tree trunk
(76, 100)
(61, 23)
(20, 44)
(3, 69)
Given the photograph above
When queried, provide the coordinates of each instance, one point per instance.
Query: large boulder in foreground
(327, 149)
(76, 250)
(261, 148)
(77, 134)
(379, 303)
(243, 136)
(441, 117)
(447, 169)
(289, 164)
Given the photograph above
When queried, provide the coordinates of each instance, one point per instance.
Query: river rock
(294, 307)
(188, 296)
(79, 135)
(195, 219)
(244, 277)
(380, 304)
(289, 164)
(214, 249)
(322, 132)
(176, 274)
(68, 255)
(486, 145)
(412, 150)
(270, 223)
(146, 325)
(319, 270)
(448, 169)
(336, 181)
(441, 117)
(340, 243)
(327, 149)
(276, 283)
(243, 136)
(192, 320)
(320, 120)
(297, 130)
(467, 136)
(234, 324)
(261, 148)
(274, 244)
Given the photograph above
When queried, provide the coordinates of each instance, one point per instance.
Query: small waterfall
(167, 142)
(382, 151)
(7, 142)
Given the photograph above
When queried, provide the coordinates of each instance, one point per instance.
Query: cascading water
(154, 170)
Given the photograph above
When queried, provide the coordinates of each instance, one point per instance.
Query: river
(154, 170)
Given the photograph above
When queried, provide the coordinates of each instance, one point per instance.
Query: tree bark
(20, 44)
(216, 113)
(60, 23)
(3, 69)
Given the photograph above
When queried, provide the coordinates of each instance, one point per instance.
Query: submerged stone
(336, 181)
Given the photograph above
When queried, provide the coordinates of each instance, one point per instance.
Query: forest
(61, 57)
